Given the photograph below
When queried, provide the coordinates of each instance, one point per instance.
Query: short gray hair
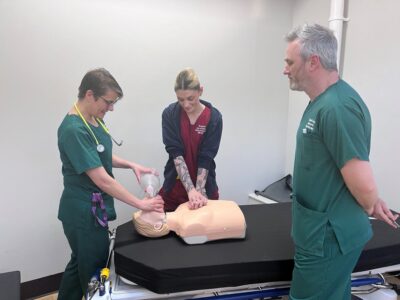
(317, 40)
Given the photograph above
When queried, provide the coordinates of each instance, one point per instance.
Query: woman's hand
(196, 199)
(381, 212)
(152, 204)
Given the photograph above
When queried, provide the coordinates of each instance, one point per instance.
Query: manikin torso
(219, 219)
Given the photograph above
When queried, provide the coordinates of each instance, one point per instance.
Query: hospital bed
(257, 267)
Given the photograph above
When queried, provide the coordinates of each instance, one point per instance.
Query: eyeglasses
(109, 102)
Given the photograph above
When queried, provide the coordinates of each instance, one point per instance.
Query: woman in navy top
(191, 130)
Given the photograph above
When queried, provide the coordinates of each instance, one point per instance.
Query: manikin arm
(196, 199)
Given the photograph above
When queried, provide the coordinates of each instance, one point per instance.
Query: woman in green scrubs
(87, 203)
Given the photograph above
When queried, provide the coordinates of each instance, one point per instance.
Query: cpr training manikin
(219, 219)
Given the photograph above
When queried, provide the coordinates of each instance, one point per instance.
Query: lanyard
(88, 127)
(103, 126)
(98, 199)
(100, 147)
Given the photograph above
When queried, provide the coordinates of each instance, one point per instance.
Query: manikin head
(150, 224)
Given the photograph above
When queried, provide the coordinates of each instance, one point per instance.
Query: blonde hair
(187, 80)
(148, 229)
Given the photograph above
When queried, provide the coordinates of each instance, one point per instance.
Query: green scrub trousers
(90, 248)
(326, 277)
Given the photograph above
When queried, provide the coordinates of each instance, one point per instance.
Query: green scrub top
(335, 128)
(78, 154)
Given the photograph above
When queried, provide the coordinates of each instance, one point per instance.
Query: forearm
(201, 181)
(118, 162)
(366, 199)
(112, 187)
(360, 181)
(183, 173)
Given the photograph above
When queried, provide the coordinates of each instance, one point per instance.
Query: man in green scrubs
(87, 202)
(333, 187)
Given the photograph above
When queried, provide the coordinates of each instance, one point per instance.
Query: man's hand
(381, 212)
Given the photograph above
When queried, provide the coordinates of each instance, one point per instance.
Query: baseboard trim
(40, 286)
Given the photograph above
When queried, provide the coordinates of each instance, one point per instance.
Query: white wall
(47, 46)
(371, 65)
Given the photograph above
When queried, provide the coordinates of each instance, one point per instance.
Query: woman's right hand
(152, 204)
(196, 199)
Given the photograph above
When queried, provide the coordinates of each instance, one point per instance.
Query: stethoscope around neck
(100, 148)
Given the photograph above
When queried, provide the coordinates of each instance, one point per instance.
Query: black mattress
(168, 265)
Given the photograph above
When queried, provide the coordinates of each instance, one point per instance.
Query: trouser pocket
(308, 229)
